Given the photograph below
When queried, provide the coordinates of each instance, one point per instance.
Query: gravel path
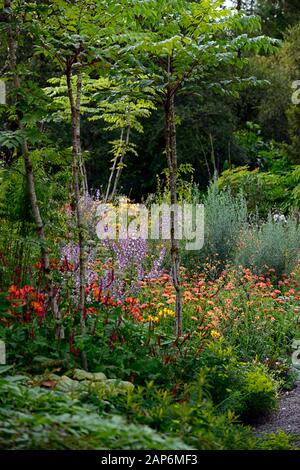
(287, 418)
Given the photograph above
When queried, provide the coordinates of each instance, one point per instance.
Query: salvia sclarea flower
(129, 252)
(157, 267)
(70, 265)
(120, 275)
(131, 265)
(125, 263)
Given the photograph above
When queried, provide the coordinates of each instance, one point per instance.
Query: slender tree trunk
(84, 182)
(207, 165)
(229, 154)
(112, 173)
(52, 294)
(75, 103)
(120, 165)
(171, 152)
(82, 176)
(213, 159)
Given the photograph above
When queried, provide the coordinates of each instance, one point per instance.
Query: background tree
(178, 44)
(278, 15)
(11, 17)
(80, 43)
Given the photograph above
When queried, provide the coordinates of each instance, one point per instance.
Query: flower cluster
(117, 266)
(212, 305)
(25, 302)
(164, 313)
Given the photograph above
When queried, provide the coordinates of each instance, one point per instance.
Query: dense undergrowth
(127, 342)
(201, 391)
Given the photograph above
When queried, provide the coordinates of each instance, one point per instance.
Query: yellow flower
(153, 319)
(169, 312)
(215, 334)
(166, 312)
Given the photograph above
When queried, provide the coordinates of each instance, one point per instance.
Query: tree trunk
(213, 159)
(112, 173)
(12, 51)
(75, 104)
(171, 152)
(84, 181)
(206, 163)
(120, 167)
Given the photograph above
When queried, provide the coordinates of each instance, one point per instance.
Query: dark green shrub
(247, 389)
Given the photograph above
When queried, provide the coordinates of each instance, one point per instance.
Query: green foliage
(187, 192)
(11, 139)
(271, 244)
(14, 201)
(275, 112)
(273, 183)
(189, 392)
(53, 421)
(264, 191)
(244, 388)
(277, 16)
(52, 175)
(192, 417)
(259, 391)
(277, 441)
(195, 38)
(235, 233)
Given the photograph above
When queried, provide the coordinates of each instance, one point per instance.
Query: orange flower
(91, 311)
(131, 300)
